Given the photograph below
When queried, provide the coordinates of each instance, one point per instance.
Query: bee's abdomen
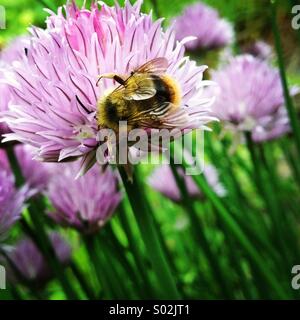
(167, 89)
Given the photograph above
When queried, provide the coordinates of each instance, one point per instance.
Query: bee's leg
(112, 76)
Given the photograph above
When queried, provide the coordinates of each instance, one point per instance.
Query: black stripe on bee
(162, 90)
(111, 111)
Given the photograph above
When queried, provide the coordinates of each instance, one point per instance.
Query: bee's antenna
(97, 83)
(111, 76)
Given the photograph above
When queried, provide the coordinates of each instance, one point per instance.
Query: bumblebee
(147, 98)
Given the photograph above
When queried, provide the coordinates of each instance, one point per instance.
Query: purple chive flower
(12, 53)
(4, 100)
(163, 180)
(86, 203)
(30, 262)
(259, 49)
(4, 163)
(11, 200)
(36, 173)
(204, 23)
(250, 98)
(54, 86)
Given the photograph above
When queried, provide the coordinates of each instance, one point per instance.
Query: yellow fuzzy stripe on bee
(174, 89)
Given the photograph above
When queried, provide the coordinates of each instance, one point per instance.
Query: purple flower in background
(4, 100)
(11, 200)
(54, 86)
(249, 97)
(13, 52)
(259, 49)
(86, 203)
(204, 23)
(30, 262)
(163, 180)
(36, 173)
(4, 163)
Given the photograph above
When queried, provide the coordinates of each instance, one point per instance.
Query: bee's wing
(154, 66)
(164, 115)
(136, 88)
(141, 87)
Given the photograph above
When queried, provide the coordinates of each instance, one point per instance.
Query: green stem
(288, 100)
(289, 156)
(39, 234)
(101, 274)
(142, 211)
(121, 260)
(285, 220)
(268, 194)
(15, 293)
(199, 235)
(136, 252)
(82, 281)
(236, 261)
(238, 233)
(116, 264)
(14, 164)
(48, 251)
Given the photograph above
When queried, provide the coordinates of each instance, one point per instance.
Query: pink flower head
(55, 89)
(250, 98)
(163, 180)
(204, 23)
(86, 203)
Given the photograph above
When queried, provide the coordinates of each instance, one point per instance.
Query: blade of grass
(238, 233)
